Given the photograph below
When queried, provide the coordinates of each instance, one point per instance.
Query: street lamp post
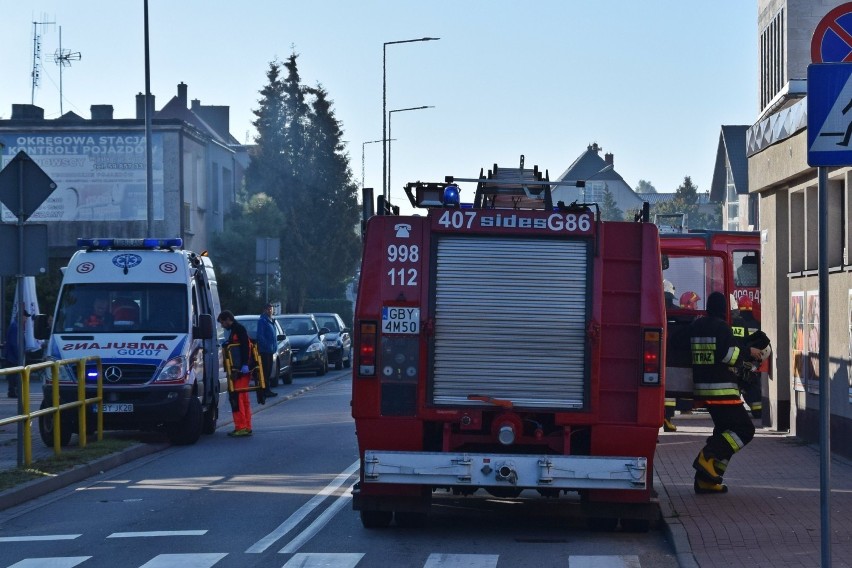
(389, 141)
(385, 105)
(362, 159)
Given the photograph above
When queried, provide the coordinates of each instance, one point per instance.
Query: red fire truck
(696, 263)
(509, 347)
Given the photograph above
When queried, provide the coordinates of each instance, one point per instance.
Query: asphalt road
(281, 498)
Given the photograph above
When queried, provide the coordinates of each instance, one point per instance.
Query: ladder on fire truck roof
(671, 222)
(514, 188)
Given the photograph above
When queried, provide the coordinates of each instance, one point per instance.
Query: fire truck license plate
(400, 320)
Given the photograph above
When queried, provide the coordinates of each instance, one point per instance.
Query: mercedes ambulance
(147, 308)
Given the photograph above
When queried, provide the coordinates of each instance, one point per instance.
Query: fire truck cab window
(745, 264)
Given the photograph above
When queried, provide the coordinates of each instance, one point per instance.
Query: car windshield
(122, 308)
(328, 322)
(298, 326)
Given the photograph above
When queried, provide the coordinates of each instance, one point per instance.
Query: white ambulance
(148, 309)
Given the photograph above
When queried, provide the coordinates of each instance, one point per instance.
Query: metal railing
(25, 418)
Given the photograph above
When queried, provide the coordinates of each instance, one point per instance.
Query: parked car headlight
(314, 347)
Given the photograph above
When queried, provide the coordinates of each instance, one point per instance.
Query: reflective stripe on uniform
(735, 442)
(670, 402)
(732, 356)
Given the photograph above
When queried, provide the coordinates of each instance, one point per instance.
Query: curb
(673, 528)
(38, 487)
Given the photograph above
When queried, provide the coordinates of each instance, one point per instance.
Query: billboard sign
(99, 174)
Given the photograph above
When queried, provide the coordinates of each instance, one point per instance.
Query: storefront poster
(99, 175)
(797, 340)
(812, 330)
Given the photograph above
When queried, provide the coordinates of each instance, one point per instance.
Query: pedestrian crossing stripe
(334, 560)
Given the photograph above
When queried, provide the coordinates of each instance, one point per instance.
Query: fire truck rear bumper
(505, 470)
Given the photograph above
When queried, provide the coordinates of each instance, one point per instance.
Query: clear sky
(650, 81)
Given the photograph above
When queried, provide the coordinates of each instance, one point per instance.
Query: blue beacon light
(451, 196)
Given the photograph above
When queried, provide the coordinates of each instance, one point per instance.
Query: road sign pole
(20, 335)
(824, 379)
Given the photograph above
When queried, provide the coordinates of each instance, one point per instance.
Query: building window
(772, 67)
(214, 185)
(732, 199)
(797, 231)
(811, 228)
(187, 218)
(201, 184)
(228, 187)
(594, 192)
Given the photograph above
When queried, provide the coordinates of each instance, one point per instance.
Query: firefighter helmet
(745, 304)
(689, 300)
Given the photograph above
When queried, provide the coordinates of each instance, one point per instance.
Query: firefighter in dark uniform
(240, 404)
(745, 326)
(715, 353)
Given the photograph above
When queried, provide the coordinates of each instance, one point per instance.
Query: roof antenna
(63, 58)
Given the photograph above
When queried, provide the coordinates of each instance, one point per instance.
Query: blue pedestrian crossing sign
(830, 114)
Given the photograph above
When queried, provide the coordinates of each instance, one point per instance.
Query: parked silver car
(338, 340)
(282, 365)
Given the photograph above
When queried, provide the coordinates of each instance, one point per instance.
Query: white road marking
(195, 560)
(66, 562)
(145, 534)
(324, 560)
(461, 561)
(303, 511)
(42, 537)
(316, 526)
(626, 561)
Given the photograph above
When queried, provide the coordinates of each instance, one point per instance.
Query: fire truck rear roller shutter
(510, 321)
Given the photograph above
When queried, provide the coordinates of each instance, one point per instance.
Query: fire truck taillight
(652, 346)
(367, 350)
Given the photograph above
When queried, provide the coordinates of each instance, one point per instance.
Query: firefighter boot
(706, 488)
(668, 426)
(706, 469)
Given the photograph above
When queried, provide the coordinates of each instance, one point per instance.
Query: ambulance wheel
(188, 429)
(635, 525)
(211, 415)
(603, 524)
(376, 519)
(45, 428)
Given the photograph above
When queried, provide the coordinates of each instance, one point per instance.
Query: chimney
(27, 112)
(140, 106)
(609, 159)
(196, 104)
(101, 112)
(182, 95)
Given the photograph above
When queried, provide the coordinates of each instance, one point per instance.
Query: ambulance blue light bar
(146, 243)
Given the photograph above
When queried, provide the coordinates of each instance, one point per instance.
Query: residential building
(99, 167)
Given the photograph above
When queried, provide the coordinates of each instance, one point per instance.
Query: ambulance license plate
(118, 407)
(400, 320)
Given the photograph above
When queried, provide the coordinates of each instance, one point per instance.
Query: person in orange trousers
(240, 405)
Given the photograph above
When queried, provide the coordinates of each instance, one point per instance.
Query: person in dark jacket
(267, 344)
(715, 353)
(240, 354)
(12, 359)
(745, 326)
